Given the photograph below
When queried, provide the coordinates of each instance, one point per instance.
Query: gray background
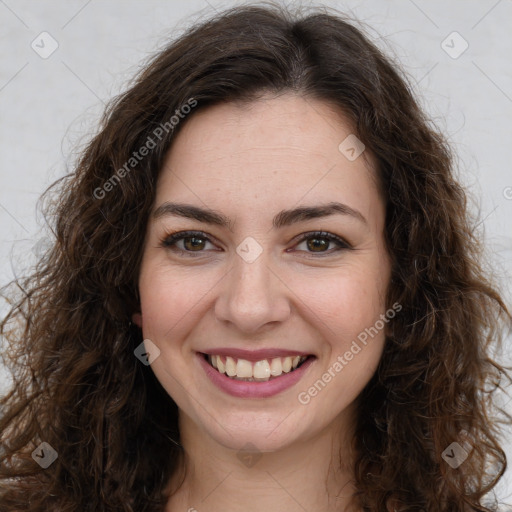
(50, 106)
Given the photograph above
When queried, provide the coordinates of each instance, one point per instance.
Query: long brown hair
(79, 387)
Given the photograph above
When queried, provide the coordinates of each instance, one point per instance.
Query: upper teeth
(264, 369)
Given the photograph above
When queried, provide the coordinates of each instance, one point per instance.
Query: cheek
(346, 313)
(169, 299)
(342, 305)
(170, 305)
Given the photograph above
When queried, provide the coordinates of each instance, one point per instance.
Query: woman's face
(250, 281)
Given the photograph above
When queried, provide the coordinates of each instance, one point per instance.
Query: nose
(252, 296)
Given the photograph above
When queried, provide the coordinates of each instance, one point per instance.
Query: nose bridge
(252, 296)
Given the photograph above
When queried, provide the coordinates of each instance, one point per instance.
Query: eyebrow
(283, 218)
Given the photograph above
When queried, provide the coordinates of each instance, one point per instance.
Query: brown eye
(193, 243)
(320, 242)
(186, 242)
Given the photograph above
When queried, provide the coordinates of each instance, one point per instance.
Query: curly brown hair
(78, 386)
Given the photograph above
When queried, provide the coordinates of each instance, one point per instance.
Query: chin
(267, 434)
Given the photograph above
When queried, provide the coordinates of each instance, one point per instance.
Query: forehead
(267, 153)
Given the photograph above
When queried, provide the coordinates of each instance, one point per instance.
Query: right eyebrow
(189, 211)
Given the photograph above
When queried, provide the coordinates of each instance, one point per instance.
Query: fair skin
(250, 162)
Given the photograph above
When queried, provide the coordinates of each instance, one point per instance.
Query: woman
(264, 294)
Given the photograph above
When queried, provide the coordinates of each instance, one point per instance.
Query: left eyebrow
(283, 218)
(288, 217)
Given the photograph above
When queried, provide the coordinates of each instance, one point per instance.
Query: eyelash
(170, 240)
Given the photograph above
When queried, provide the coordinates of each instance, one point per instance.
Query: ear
(137, 319)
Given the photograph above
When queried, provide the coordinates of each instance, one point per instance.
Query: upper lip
(254, 355)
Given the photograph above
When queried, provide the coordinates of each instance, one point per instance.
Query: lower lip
(244, 389)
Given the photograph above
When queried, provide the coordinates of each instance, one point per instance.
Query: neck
(309, 475)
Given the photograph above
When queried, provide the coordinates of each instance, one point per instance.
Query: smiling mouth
(259, 371)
